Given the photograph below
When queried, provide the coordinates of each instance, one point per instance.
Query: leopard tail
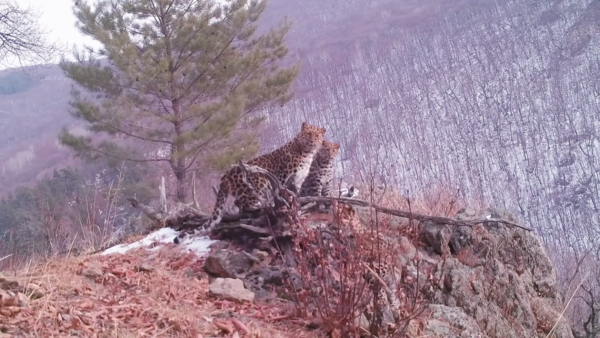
(215, 218)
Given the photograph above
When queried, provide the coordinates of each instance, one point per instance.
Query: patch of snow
(198, 245)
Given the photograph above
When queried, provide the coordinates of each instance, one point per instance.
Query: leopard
(290, 164)
(320, 177)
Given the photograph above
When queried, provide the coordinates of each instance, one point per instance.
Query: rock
(481, 281)
(9, 311)
(262, 255)
(144, 267)
(406, 251)
(92, 271)
(510, 291)
(546, 317)
(449, 322)
(229, 288)
(8, 298)
(228, 264)
(460, 238)
(437, 236)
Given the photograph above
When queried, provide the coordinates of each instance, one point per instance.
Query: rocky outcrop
(497, 275)
(479, 280)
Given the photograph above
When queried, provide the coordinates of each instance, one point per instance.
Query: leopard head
(310, 137)
(329, 150)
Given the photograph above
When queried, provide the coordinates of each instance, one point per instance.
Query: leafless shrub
(351, 275)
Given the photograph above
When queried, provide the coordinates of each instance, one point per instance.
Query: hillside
(31, 115)
(131, 295)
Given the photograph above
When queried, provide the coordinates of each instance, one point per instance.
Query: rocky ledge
(486, 278)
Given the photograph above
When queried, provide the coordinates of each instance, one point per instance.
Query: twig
(163, 195)
(254, 229)
(562, 313)
(376, 276)
(252, 258)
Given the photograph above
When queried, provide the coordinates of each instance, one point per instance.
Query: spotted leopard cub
(292, 160)
(319, 179)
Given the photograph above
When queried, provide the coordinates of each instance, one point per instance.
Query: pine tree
(178, 81)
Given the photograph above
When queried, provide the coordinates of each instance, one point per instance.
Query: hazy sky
(58, 19)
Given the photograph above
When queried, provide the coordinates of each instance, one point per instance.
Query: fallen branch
(196, 218)
(407, 214)
(159, 216)
(154, 215)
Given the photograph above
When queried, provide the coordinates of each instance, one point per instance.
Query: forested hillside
(496, 102)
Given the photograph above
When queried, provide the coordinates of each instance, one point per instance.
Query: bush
(354, 281)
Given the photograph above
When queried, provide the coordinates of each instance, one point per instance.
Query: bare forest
(500, 105)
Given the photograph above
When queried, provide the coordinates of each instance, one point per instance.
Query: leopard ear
(323, 130)
(304, 125)
(336, 146)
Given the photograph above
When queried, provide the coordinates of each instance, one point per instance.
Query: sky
(57, 19)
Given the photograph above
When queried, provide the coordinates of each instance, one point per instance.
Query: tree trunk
(181, 187)
(177, 157)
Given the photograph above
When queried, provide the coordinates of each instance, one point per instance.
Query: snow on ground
(198, 245)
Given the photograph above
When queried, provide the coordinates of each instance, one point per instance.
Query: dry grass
(122, 301)
(435, 201)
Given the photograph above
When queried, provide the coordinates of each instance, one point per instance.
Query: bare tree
(21, 37)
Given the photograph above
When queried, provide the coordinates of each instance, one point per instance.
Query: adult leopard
(291, 162)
